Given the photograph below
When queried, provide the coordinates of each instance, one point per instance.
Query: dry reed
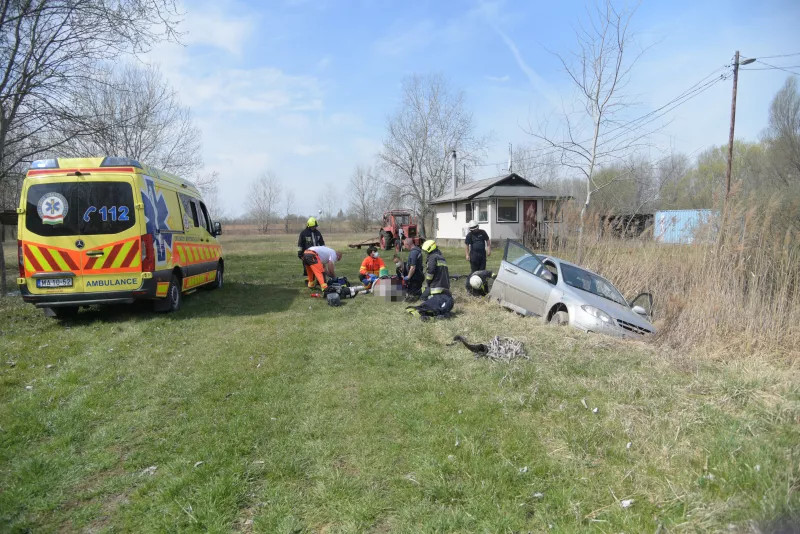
(735, 291)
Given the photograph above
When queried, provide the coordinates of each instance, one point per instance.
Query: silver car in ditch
(563, 293)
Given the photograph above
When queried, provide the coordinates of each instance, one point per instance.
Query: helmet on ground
(475, 281)
(473, 224)
(312, 222)
(429, 245)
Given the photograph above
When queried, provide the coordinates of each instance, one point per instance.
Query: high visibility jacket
(436, 273)
(372, 265)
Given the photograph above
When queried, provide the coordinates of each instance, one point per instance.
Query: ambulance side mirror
(217, 229)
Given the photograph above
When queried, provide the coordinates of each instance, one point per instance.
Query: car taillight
(21, 259)
(148, 254)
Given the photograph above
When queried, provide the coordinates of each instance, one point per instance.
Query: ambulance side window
(205, 216)
(201, 216)
(190, 210)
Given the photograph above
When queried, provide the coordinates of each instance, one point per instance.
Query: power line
(774, 67)
(778, 55)
(690, 93)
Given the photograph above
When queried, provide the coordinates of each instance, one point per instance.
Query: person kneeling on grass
(320, 265)
(437, 299)
(371, 267)
(478, 283)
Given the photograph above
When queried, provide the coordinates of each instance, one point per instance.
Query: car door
(520, 280)
(213, 249)
(193, 249)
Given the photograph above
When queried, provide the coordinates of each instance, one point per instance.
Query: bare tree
(133, 112)
(263, 197)
(208, 184)
(328, 204)
(288, 206)
(782, 136)
(432, 120)
(48, 49)
(599, 69)
(364, 192)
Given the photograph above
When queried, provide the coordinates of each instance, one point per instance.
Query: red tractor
(398, 225)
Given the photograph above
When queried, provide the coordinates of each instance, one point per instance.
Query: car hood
(615, 310)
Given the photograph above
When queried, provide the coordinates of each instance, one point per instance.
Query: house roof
(505, 185)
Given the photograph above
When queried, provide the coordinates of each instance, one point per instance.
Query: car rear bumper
(146, 291)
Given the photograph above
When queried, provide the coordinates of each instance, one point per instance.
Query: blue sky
(304, 87)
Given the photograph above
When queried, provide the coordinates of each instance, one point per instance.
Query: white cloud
(210, 25)
(307, 150)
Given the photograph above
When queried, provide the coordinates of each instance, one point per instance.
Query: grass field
(259, 409)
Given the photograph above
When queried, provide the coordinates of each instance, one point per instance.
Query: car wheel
(65, 312)
(560, 318)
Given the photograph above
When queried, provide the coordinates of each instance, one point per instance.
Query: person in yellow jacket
(371, 267)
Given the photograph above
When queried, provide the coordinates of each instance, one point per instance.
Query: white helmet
(473, 224)
(475, 281)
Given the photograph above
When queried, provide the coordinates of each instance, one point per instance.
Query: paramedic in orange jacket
(370, 267)
(319, 262)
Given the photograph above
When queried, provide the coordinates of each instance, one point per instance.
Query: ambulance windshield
(79, 208)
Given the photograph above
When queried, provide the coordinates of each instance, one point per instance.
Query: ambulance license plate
(47, 283)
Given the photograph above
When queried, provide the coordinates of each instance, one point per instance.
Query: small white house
(507, 206)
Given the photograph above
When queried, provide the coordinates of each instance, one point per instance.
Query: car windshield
(592, 283)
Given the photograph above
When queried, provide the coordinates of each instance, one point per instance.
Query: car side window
(521, 257)
(550, 266)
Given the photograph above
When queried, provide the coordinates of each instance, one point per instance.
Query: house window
(468, 209)
(507, 210)
(482, 209)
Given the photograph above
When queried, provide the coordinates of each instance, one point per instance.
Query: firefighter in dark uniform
(437, 299)
(415, 276)
(478, 283)
(309, 237)
(478, 247)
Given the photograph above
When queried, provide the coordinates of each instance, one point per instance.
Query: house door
(530, 228)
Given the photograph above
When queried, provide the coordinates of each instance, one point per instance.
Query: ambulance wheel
(172, 302)
(219, 280)
(174, 294)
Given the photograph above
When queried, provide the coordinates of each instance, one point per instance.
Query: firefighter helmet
(429, 245)
(475, 281)
(312, 222)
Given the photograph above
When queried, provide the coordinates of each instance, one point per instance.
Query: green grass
(358, 419)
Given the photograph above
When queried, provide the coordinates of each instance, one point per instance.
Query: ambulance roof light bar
(109, 161)
(44, 164)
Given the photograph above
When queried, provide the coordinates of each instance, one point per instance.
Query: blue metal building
(683, 226)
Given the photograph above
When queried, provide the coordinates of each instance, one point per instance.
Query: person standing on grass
(415, 275)
(478, 247)
(320, 265)
(309, 237)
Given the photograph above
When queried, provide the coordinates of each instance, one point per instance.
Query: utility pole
(733, 120)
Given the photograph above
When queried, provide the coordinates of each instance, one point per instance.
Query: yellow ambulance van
(95, 231)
